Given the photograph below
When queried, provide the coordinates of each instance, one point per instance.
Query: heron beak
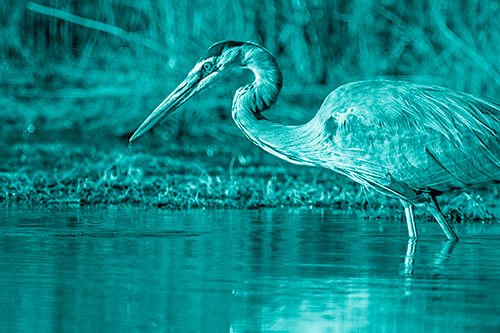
(181, 94)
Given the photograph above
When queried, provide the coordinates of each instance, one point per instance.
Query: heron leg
(410, 219)
(438, 215)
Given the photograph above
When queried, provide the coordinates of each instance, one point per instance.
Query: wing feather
(427, 137)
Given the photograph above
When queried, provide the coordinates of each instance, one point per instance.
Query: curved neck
(287, 142)
(263, 92)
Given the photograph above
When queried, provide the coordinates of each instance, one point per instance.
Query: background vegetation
(77, 78)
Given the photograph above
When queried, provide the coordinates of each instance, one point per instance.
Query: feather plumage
(429, 138)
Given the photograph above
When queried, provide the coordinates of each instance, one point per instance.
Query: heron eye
(207, 66)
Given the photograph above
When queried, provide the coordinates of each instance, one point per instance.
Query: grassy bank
(190, 174)
(174, 176)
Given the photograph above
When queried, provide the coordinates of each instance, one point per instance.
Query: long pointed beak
(182, 93)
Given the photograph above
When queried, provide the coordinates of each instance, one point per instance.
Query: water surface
(205, 270)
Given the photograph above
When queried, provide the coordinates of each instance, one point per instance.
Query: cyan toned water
(285, 270)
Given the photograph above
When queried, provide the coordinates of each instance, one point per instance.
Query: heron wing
(394, 134)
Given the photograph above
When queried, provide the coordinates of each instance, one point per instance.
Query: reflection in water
(410, 256)
(439, 261)
(443, 256)
(203, 270)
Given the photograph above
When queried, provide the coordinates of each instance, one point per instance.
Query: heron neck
(294, 144)
(291, 143)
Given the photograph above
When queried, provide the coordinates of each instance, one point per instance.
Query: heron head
(219, 57)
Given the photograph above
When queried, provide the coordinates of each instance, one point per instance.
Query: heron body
(409, 141)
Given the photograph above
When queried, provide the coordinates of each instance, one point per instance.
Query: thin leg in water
(410, 219)
(438, 215)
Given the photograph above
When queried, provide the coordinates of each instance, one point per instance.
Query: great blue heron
(409, 141)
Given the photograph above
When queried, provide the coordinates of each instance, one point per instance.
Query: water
(284, 270)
